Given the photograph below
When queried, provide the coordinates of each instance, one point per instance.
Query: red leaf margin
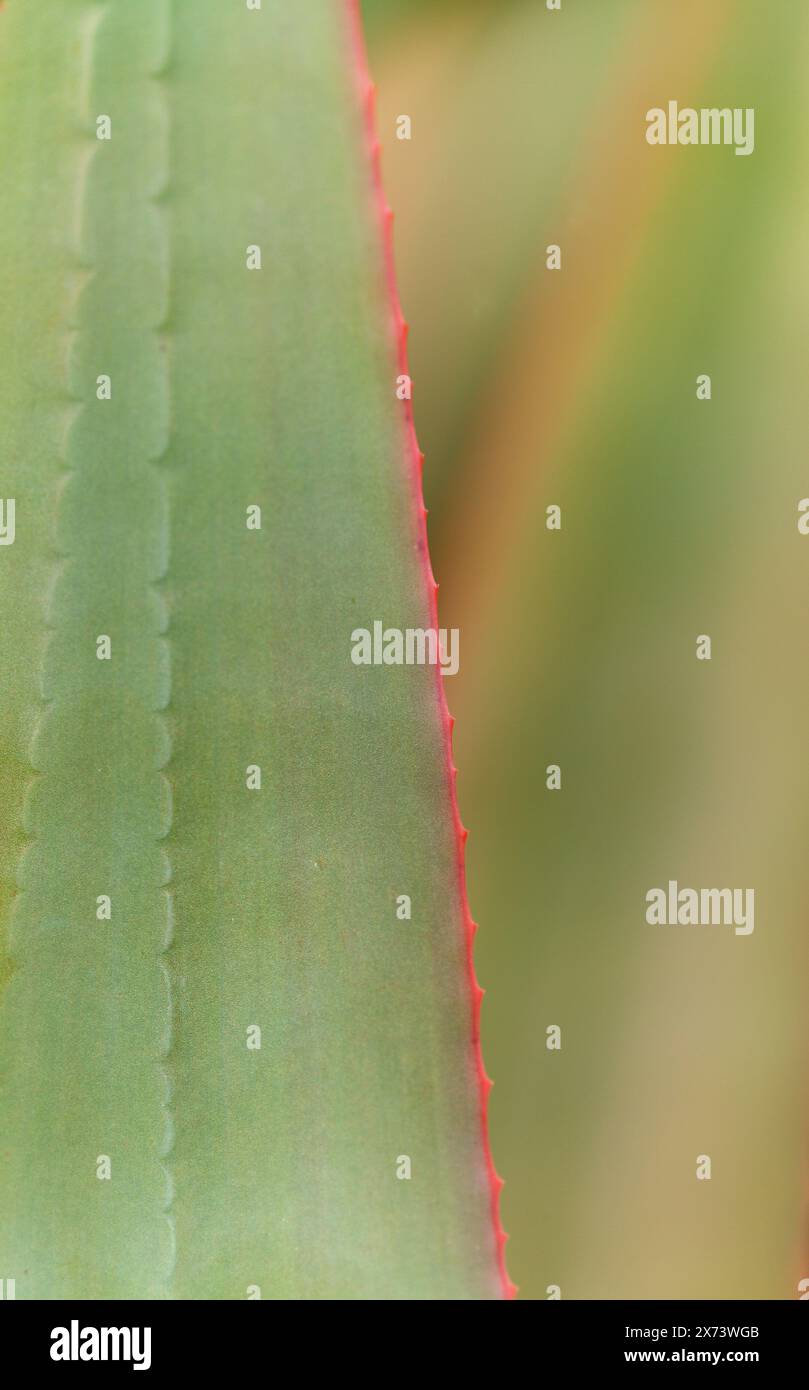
(367, 96)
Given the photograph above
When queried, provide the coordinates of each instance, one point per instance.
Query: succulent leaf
(218, 1040)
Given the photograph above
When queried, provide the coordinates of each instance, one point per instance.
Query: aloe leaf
(209, 829)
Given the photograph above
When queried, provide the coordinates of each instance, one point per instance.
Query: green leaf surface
(232, 907)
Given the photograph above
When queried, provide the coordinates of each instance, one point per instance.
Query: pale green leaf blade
(233, 1168)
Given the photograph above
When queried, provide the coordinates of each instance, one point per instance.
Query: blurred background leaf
(578, 388)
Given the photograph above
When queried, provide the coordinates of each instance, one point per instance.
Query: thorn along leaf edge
(415, 459)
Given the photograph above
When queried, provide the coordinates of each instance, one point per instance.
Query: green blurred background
(679, 517)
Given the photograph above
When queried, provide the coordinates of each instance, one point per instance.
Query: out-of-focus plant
(577, 388)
